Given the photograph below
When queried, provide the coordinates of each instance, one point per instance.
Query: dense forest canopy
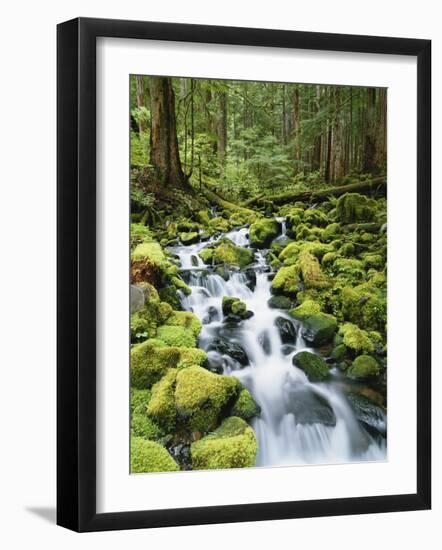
(257, 137)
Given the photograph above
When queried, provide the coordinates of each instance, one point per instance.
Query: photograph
(258, 274)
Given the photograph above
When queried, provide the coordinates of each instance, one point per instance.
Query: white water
(295, 427)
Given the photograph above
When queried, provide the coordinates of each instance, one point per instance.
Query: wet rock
(215, 362)
(251, 278)
(319, 329)
(280, 302)
(287, 349)
(212, 315)
(287, 330)
(189, 238)
(194, 260)
(264, 340)
(308, 407)
(314, 366)
(181, 453)
(232, 349)
(369, 414)
(136, 298)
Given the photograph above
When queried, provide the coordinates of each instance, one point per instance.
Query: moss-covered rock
(313, 365)
(316, 217)
(287, 281)
(338, 353)
(355, 338)
(161, 407)
(280, 302)
(363, 367)
(306, 309)
(319, 329)
(148, 456)
(139, 399)
(331, 232)
(219, 225)
(234, 306)
(189, 238)
(201, 395)
(226, 252)
(353, 207)
(143, 426)
(245, 406)
(311, 272)
(329, 259)
(151, 251)
(232, 445)
(177, 336)
(203, 217)
(373, 261)
(262, 232)
(187, 320)
(151, 359)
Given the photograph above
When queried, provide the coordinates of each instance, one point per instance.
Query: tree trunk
(297, 128)
(141, 100)
(222, 130)
(164, 153)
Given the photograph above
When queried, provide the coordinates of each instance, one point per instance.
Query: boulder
(263, 231)
(148, 456)
(363, 367)
(313, 365)
(319, 329)
(245, 406)
(232, 349)
(287, 330)
(308, 407)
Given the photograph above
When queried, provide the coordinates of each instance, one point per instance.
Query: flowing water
(300, 422)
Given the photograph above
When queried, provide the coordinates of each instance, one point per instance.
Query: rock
(161, 407)
(287, 349)
(263, 231)
(245, 406)
(363, 367)
(148, 456)
(234, 309)
(200, 396)
(227, 253)
(264, 340)
(136, 298)
(251, 278)
(232, 349)
(287, 330)
(305, 310)
(212, 315)
(286, 281)
(311, 272)
(189, 238)
(308, 407)
(314, 366)
(176, 336)
(279, 302)
(319, 329)
(194, 260)
(353, 207)
(371, 415)
(232, 445)
(181, 453)
(355, 338)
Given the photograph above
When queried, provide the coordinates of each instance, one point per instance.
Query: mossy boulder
(311, 272)
(329, 258)
(151, 359)
(227, 253)
(161, 407)
(203, 217)
(148, 456)
(176, 336)
(234, 307)
(219, 225)
(319, 329)
(143, 426)
(306, 309)
(262, 232)
(313, 365)
(316, 217)
(331, 232)
(287, 281)
(187, 320)
(363, 367)
(200, 396)
(355, 338)
(189, 238)
(151, 251)
(280, 302)
(353, 208)
(232, 445)
(245, 406)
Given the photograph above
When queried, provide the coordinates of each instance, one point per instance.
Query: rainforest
(258, 276)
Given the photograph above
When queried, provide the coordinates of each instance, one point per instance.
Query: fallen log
(375, 187)
(223, 203)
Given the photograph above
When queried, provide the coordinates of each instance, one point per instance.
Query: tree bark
(296, 128)
(222, 130)
(164, 153)
(141, 100)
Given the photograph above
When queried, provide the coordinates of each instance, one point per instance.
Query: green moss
(347, 249)
(339, 352)
(316, 217)
(139, 399)
(189, 238)
(319, 329)
(314, 366)
(245, 406)
(262, 232)
(203, 217)
(331, 231)
(148, 456)
(187, 320)
(151, 359)
(329, 258)
(219, 225)
(179, 284)
(139, 233)
(356, 338)
(151, 251)
(177, 336)
(363, 367)
(143, 426)
(353, 207)
(306, 309)
(206, 254)
(234, 306)
(227, 253)
(311, 273)
(232, 445)
(287, 280)
(373, 260)
(161, 407)
(280, 302)
(364, 306)
(201, 395)
(350, 268)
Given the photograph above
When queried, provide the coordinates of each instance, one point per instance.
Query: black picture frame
(76, 274)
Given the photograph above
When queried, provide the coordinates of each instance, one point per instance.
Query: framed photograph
(231, 344)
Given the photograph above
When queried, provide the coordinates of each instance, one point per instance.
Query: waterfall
(300, 422)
